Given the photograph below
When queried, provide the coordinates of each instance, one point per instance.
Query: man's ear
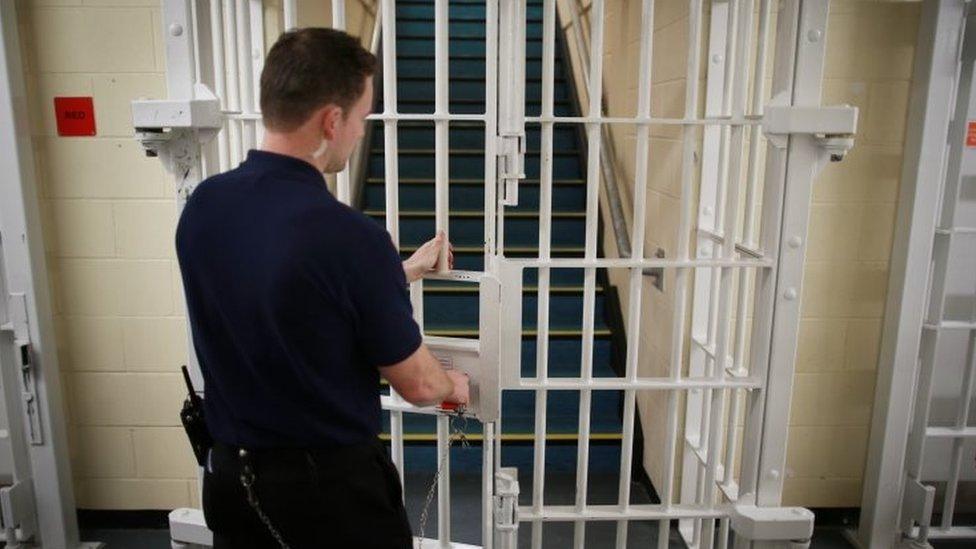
(331, 115)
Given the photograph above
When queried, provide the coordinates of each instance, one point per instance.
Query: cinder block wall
(870, 47)
(109, 216)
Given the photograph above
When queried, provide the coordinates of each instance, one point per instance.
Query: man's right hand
(460, 395)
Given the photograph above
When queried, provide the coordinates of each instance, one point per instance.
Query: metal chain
(459, 433)
(247, 480)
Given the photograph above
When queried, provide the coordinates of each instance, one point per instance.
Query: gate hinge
(917, 503)
(506, 508)
(174, 129)
(17, 320)
(28, 387)
(19, 324)
(511, 166)
(833, 127)
(792, 525)
(17, 509)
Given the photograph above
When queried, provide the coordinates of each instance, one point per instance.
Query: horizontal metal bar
(609, 263)
(714, 121)
(945, 231)
(619, 384)
(400, 117)
(741, 248)
(950, 432)
(388, 403)
(951, 325)
(955, 532)
(568, 513)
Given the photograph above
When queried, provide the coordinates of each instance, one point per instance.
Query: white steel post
(804, 154)
(637, 250)
(688, 154)
(933, 87)
(392, 182)
(545, 250)
(30, 303)
(593, 143)
(343, 184)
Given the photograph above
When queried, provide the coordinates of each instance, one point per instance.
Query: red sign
(75, 115)
(971, 134)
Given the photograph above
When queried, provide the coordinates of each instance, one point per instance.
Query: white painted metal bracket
(832, 126)
(506, 508)
(174, 130)
(793, 526)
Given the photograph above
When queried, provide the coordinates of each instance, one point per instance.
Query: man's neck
(288, 145)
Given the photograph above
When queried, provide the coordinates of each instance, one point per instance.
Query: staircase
(452, 309)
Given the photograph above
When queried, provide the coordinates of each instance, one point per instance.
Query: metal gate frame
(898, 501)
(802, 136)
(37, 505)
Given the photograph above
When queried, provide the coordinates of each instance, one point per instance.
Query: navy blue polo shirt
(294, 300)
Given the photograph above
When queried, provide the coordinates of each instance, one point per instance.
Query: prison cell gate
(737, 269)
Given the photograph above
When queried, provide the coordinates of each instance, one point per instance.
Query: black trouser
(348, 496)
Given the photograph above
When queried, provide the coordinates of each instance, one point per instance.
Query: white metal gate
(749, 158)
(922, 453)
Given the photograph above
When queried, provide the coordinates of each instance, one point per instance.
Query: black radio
(193, 421)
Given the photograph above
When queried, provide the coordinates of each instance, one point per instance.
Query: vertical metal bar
(233, 82)
(291, 14)
(494, 212)
(444, 482)
(748, 235)
(594, 134)
(392, 176)
(246, 81)
(637, 251)
(688, 159)
(491, 131)
(220, 80)
(442, 131)
(257, 64)
(343, 184)
(488, 467)
(697, 403)
(545, 248)
(803, 154)
(739, 43)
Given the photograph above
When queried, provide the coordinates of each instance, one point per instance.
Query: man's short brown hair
(309, 68)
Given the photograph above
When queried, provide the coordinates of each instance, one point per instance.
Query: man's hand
(425, 258)
(460, 395)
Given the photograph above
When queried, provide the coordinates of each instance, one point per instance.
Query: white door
(740, 191)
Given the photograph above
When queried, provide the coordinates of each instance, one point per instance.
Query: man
(298, 304)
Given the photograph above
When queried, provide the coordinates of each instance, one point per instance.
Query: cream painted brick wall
(109, 218)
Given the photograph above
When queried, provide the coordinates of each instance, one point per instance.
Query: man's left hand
(425, 258)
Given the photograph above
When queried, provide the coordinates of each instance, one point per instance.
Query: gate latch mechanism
(832, 127)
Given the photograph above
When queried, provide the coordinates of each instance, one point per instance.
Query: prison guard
(294, 300)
